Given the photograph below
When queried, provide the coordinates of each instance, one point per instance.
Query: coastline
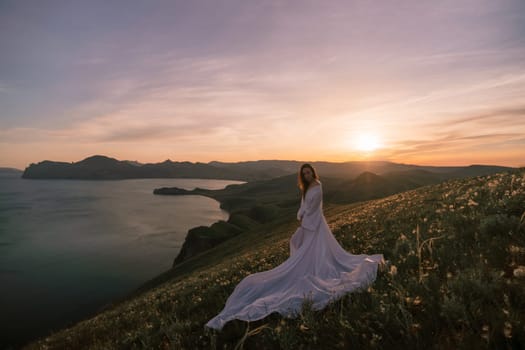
(201, 238)
(74, 311)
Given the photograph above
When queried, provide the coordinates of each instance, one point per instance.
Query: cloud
(498, 117)
(485, 84)
(4, 88)
(465, 56)
(453, 142)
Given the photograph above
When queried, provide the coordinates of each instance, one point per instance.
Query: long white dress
(318, 269)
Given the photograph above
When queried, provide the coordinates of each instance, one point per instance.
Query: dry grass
(457, 251)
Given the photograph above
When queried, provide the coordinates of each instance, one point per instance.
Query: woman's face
(307, 174)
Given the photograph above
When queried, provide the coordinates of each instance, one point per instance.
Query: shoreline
(137, 291)
(18, 338)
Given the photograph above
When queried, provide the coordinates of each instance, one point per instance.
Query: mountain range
(99, 167)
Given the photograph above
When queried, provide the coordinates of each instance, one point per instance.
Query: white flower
(471, 202)
(393, 270)
(507, 329)
(519, 272)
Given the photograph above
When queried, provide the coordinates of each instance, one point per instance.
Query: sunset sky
(418, 82)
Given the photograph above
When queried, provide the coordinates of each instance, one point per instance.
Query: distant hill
(99, 167)
(10, 172)
(368, 185)
(133, 162)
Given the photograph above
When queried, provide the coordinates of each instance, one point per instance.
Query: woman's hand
(300, 213)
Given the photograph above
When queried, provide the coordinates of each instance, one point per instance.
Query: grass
(456, 281)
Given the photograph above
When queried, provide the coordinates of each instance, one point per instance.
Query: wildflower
(507, 329)
(393, 270)
(415, 327)
(472, 203)
(485, 332)
(513, 249)
(493, 184)
(519, 272)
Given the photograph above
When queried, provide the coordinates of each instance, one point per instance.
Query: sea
(68, 247)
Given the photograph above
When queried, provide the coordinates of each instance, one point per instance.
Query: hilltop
(456, 280)
(9, 172)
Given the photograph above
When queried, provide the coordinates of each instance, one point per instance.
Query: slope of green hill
(457, 281)
(262, 201)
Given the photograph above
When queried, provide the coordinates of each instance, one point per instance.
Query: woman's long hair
(301, 182)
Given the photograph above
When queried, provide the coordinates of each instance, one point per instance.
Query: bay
(67, 247)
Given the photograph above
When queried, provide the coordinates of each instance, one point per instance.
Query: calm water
(67, 247)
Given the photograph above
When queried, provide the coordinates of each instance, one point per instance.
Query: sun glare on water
(367, 142)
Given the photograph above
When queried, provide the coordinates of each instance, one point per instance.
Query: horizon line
(278, 160)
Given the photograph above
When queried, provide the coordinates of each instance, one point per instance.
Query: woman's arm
(314, 201)
(300, 212)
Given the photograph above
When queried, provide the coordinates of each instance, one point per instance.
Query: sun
(367, 142)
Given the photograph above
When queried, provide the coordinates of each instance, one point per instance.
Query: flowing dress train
(318, 269)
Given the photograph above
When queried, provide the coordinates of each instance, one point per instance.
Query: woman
(318, 267)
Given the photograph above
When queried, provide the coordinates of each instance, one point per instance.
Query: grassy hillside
(457, 280)
(263, 201)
